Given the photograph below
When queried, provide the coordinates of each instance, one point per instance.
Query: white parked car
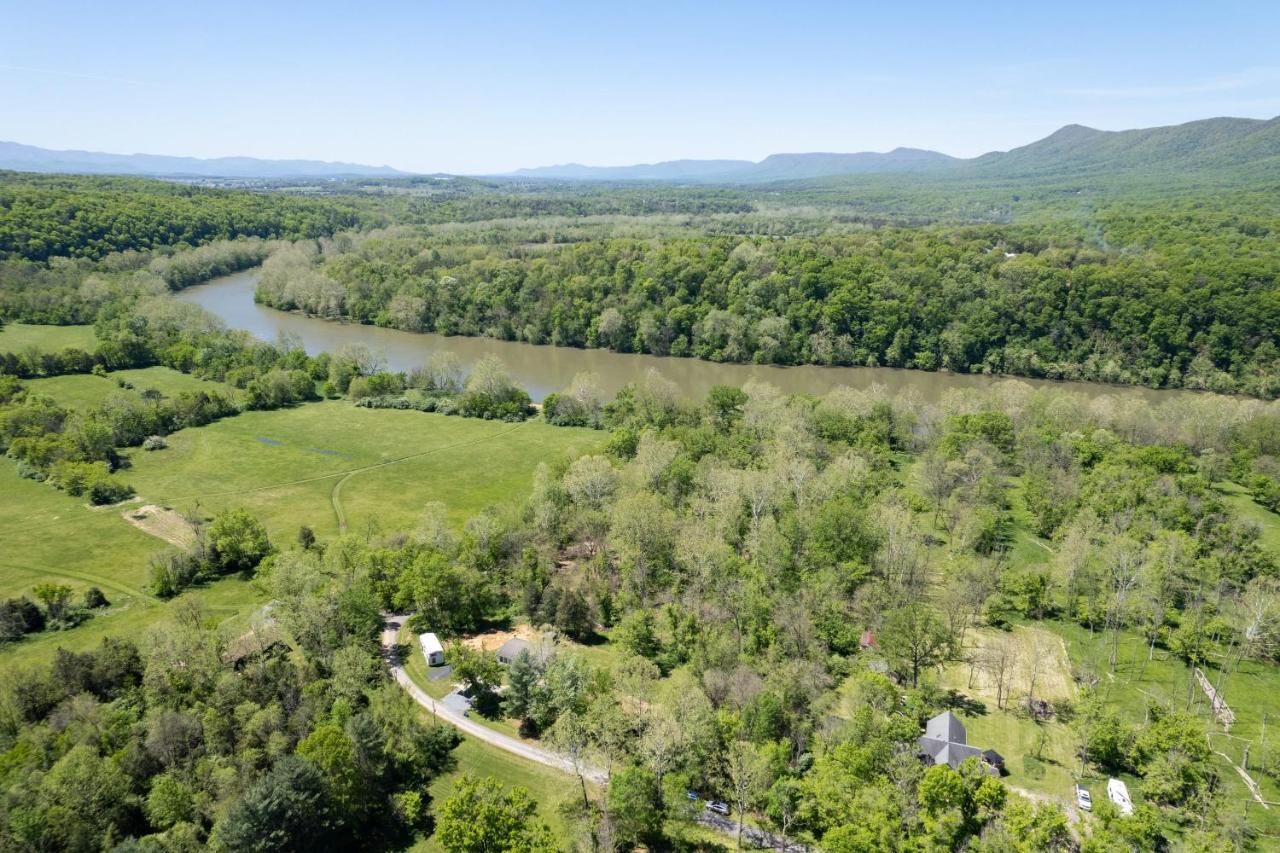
(718, 807)
(1083, 799)
(1118, 793)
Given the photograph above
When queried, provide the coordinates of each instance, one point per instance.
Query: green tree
(170, 801)
(915, 638)
(288, 809)
(237, 540)
(483, 817)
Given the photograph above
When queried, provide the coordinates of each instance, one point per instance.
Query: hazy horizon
(511, 87)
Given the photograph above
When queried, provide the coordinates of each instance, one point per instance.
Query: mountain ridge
(1071, 150)
(32, 158)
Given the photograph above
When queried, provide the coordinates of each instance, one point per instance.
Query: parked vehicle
(719, 807)
(1118, 793)
(693, 795)
(1084, 799)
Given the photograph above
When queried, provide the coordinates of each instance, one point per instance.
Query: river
(544, 369)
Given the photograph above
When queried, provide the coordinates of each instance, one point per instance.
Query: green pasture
(19, 337)
(378, 467)
(83, 390)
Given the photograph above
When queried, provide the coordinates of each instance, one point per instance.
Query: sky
(475, 88)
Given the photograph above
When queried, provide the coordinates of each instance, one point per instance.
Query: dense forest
(51, 216)
(1168, 296)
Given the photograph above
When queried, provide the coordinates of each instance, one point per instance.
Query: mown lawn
(384, 465)
(17, 337)
(550, 788)
(82, 390)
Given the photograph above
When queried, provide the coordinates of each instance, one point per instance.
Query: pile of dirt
(162, 523)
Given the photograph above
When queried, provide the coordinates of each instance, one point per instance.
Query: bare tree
(998, 660)
(1124, 561)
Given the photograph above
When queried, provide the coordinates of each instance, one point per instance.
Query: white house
(432, 650)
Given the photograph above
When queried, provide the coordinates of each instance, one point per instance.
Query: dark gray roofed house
(945, 741)
(511, 650)
(946, 727)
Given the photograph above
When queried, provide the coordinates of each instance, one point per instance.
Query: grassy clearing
(48, 536)
(285, 466)
(1164, 680)
(18, 337)
(83, 390)
(1239, 500)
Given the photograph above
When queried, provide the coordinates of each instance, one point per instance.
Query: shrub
(154, 442)
(109, 490)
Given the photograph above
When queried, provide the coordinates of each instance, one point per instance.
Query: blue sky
(485, 87)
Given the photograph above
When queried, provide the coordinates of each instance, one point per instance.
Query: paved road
(390, 632)
(463, 723)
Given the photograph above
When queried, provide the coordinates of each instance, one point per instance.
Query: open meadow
(325, 464)
(290, 467)
(83, 390)
(20, 337)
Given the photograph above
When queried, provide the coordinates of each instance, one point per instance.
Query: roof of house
(947, 752)
(946, 727)
(513, 647)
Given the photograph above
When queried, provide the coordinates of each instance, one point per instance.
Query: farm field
(292, 467)
(17, 337)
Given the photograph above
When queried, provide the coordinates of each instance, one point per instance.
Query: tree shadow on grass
(957, 701)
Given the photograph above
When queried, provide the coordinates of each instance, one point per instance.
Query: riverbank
(544, 369)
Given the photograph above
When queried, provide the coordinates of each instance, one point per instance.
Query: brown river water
(544, 369)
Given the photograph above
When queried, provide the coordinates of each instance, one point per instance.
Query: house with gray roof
(945, 741)
(511, 650)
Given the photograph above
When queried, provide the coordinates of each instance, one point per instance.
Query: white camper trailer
(432, 650)
(1118, 793)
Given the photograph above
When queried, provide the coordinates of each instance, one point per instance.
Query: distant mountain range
(775, 167)
(1078, 151)
(29, 158)
(1074, 151)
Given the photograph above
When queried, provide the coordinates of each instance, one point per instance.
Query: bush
(154, 442)
(94, 598)
(109, 490)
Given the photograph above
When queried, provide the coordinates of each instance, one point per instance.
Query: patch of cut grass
(76, 390)
(285, 466)
(84, 390)
(18, 337)
(1239, 499)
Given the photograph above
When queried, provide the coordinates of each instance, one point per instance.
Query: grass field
(17, 337)
(465, 463)
(304, 465)
(82, 390)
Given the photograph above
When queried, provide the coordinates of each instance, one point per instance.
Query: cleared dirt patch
(491, 641)
(162, 523)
